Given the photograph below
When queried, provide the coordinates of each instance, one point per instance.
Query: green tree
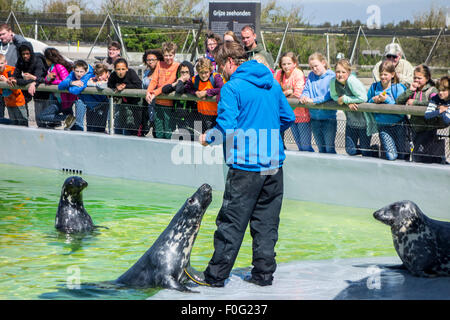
(271, 13)
(14, 5)
(179, 8)
(434, 18)
(129, 7)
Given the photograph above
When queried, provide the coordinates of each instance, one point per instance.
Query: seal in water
(423, 244)
(164, 263)
(71, 216)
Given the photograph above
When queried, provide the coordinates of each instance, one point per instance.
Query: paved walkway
(337, 279)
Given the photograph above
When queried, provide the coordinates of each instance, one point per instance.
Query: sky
(334, 11)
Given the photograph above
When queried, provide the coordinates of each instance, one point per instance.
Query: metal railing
(119, 117)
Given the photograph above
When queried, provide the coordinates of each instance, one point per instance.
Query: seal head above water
(71, 216)
(423, 244)
(164, 263)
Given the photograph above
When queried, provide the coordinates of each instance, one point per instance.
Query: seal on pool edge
(423, 244)
(71, 216)
(164, 263)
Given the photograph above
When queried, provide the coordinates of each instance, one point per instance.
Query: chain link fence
(402, 141)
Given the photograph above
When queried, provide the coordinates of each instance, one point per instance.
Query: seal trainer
(423, 244)
(164, 263)
(71, 216)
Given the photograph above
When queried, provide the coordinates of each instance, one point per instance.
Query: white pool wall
(332, 179)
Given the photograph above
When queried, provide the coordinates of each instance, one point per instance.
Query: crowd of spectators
(396, 81)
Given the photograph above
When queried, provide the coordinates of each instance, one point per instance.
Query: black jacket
(179, 87)
(35, 66)
(131, 80)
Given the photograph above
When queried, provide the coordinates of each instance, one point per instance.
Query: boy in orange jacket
(14, 99)
(206, 83)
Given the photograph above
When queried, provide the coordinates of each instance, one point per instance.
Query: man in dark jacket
(31, 70)
(252, 114)
(9, 42)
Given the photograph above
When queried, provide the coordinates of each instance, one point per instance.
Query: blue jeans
(52, 114)
(302, 135)
(352, 136)
(80, 112)
(324, 133)
(393, 141)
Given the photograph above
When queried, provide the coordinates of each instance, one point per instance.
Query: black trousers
(249, 197)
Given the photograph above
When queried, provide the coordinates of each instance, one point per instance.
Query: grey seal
(423, 244)
(164, 264)
(71, 216)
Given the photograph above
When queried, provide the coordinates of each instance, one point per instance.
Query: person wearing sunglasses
(403, 68)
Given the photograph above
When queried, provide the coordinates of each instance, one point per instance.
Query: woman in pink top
(292, 81)
(59, 69)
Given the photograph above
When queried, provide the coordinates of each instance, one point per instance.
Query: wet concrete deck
(337, 279)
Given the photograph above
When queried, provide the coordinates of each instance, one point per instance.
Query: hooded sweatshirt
(394, 91)
(421, 98)
(35, 66)
(432, 113)
(318, 89)
(91, 100)
(252, 114)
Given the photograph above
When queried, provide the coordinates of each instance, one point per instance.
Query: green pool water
(37, 262)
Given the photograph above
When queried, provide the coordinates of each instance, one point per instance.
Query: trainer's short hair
(231, 50)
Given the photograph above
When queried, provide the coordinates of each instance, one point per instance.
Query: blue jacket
(252, 114)
(91, 100)
(318, 89)
(392, 93)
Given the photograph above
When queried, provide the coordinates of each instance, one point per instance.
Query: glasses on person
(151, 60)
(391, 56)
(184, 72)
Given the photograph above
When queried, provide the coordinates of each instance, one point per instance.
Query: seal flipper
(396, 267)
(97, 227)
(195, 275)
(170, 283)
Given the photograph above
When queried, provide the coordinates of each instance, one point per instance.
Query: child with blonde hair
(346, 89)
(317, 91)
(165, 73)
(292, 81)
(206, 83)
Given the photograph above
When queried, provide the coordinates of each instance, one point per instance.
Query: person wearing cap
(403, 69)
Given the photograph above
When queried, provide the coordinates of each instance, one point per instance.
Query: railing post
(111, 115)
